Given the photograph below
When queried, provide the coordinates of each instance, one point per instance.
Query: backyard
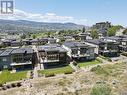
(83, 64)
(52, 72)
(6, 76)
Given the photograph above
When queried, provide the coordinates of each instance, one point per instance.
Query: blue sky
(85, 12)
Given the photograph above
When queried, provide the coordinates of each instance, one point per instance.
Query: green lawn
(6, 76)
(48, 72)
(82, 64)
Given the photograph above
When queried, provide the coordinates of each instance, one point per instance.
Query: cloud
(47, 17)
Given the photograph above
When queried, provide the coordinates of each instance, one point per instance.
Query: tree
(33, 36)
(125, 31)
(112, 30)
(23, 36)
(83, 30)
(94, 34)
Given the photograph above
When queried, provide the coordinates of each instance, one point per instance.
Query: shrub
(124, 53)
(99, 60)
(101, 89)
(49, 75)
(13, 84)
(68, 72)
(99, 70)
(19, 84)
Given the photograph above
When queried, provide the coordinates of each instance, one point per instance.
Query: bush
(124, 53)
(13, 84)
(1, 85)
(49, 75)
(101, 89)
(99, 60)
(68, 72)
(99, 70)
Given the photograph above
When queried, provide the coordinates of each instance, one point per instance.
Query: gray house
(5, 58)
(18, 58)
(104, 47)
(79, 50)
(52, 54)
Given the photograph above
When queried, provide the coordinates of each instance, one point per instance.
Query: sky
(86, 12)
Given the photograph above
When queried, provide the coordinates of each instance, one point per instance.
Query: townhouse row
(55, 54)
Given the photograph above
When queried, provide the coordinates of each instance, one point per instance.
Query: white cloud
(47, 17)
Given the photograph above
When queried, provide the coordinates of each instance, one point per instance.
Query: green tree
(112, 31)
(33, 36)
(94, 34)
(125, 31)
(23, 36)
(83, 30)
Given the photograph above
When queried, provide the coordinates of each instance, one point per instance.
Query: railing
(46, 60)
(80, 55)
(22, 63)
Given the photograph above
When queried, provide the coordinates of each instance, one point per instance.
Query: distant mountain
(31, 26)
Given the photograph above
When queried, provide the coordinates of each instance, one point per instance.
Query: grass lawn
(82, 64)
(48, 72)
(6, 76)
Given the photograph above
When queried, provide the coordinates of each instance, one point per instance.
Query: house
(52, 54)
(34, 42)
(102, 25)
(85, 36)
(5, 59)
(17, 58)
(102, 28)
(22, 58)
(44, 41)
(79, 50)
(16, 43)
(122, 40)
(104, 47)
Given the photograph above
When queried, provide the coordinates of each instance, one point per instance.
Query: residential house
(22, 58)
(122, 40)
(52, 54)
(17, 58)
(102, 28)
(104, 47)
(85, 36)
(5, 59)
(79, 50)
(16, 43)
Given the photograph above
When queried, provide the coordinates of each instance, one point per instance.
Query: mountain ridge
(31, 26)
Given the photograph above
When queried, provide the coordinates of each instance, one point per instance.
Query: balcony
(48, 61)
(80, 55)
(22, 63)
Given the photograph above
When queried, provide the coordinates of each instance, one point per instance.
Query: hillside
(31, 26)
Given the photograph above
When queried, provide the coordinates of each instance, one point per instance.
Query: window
(5, 66)
(4, 59)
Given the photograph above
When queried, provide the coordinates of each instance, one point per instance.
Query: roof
(51, 47)
(113, 38)
(22, 50)
(74, 44)
(15, 42)
(6, 52)
(1, 51)
(100, 41)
